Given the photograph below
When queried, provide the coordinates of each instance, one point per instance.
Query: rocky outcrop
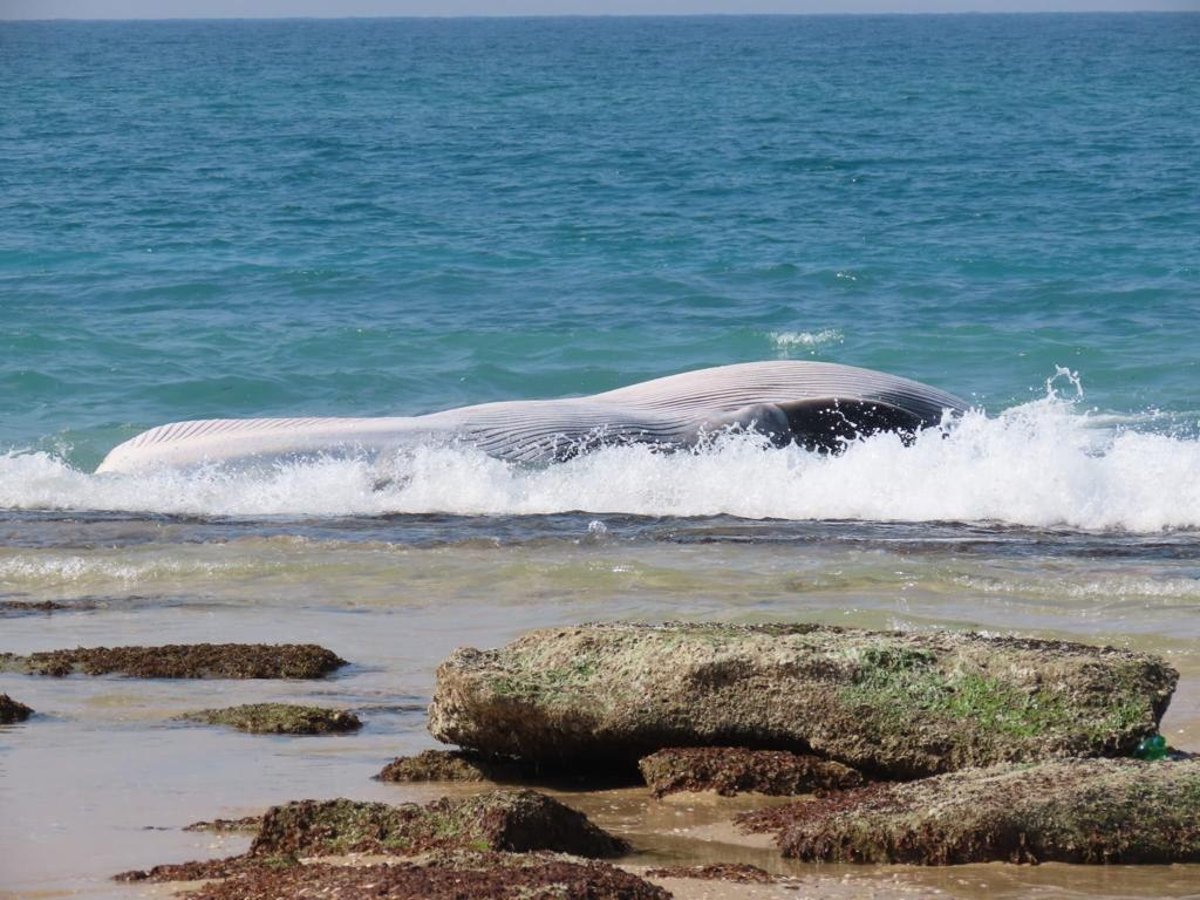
(891, 704)
(1078, 811)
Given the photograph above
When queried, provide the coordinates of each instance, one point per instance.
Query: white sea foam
(787, 341)
(1041, 464)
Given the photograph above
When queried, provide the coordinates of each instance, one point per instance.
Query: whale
(818, 406)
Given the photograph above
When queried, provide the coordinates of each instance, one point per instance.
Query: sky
(174, 9)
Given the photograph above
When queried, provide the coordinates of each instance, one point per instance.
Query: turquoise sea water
(389, 217)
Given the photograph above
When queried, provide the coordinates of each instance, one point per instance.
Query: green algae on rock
(182, 661)
(893, 704)
(735, 770)
(279, 718)
(442, 877)
(455, 765)
(1077, 811)
(13, 710)
(220, 826)
(515, 821)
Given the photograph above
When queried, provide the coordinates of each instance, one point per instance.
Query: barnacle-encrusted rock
(1079, 811)
(896, 704)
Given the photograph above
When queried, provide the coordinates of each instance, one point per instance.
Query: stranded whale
(819, 406)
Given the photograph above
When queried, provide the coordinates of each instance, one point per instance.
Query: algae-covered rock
(183, 661)
(279, 718)
(455, 765)
(1079, 811)
(734, 770)
(13, 710)
(442, 877)
(888, 703)
(515, 821)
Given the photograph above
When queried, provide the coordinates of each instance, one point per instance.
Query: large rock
(888, 703)
(1079, 811)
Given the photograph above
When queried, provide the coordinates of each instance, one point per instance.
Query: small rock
(515, 821)
(246, 823)
(735, 770)
(742, 873)
(1077, 811)
(13, 710)
(182, 661)
(455, 765)
(279, 718)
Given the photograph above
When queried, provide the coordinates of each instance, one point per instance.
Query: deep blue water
(366, 217)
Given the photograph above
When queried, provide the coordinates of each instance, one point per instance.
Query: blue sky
(160, 9)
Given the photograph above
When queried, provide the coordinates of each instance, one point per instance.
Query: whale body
(819, 406)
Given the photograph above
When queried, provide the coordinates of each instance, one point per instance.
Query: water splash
(1041, 464)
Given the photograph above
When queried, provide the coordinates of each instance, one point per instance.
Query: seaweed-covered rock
(455, 765)
(734, 770)
(515, 821)
(279, 718)
(1078, 811)
(887, 703)
(13, 710)
(182, 661)
(499, 875)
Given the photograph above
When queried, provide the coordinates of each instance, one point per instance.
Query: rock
(894, 704)
(515, 821)
(456, 765)
(13, 710)
(279, 718)
(182, 661)
(508, 822)
(735, 770)
(742, 873)
(499, 875)
(1077, 811)
(246, 823)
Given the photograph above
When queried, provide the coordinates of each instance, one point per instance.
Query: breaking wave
(1041, 464)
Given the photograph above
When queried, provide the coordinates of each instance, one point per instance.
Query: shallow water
(102, 779)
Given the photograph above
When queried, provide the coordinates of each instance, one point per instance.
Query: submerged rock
(279, 718)
(734, 770)
(741, 873)
(246, 823)
(182, 661)
(515, 821)
(443, 877)
(1078, 811)
(13, 710)
(456, 765)
(889, 703)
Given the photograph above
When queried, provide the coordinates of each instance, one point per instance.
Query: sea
(370, 217)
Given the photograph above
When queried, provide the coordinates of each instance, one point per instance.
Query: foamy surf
(1041, 464)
